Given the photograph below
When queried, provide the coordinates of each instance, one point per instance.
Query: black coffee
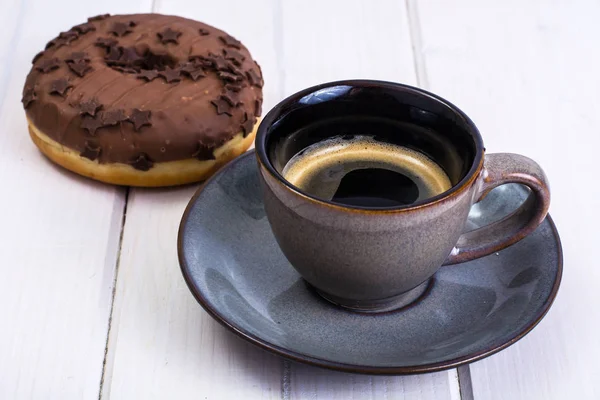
(358, 170)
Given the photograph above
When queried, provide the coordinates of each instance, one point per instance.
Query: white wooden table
(92, 302)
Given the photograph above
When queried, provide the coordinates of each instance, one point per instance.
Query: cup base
(393, 303)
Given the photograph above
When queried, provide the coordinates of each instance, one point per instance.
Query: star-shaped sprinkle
(105, 42)
(80, 67)
(219, 63)
(193, 70)
(233, 98)
(120, 29)
(129, 56)
(168, 36)
(229, 77)
(89, 107)
(91, 151)
(83, 28)
(91, 124)
(234, 87)
(98, 17)
(113, 117)
(202, 61)
(254, 78)
(48, 65)
(196, 74)
(235, 56)
(171, 74)
(140, 118)
(37, 56)
(258, 107)
(29, 96)
(235, 70)
(187, 66)
(78, 56)
(113, 55)
(142, 162)
(63, 39)
(204, 152)
(203, 32)
(222, 106)
(60, 86)
(247, 124)
(68, 35)
(230, 41)
(148, 75)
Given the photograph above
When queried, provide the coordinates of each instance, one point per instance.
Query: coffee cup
(367, 187)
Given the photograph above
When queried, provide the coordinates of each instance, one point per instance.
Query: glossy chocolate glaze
(199, 85)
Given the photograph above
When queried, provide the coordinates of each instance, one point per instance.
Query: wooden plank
(307, 382)
(527, 72)
(162, 344)
(12, 15)
(60, 233)
(332, 40)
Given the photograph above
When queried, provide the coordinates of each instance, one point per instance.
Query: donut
(143, 99)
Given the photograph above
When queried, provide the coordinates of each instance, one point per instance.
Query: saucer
(236, 271)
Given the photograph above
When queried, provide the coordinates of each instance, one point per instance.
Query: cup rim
(461, 186)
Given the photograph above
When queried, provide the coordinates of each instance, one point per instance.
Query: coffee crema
(358, 170)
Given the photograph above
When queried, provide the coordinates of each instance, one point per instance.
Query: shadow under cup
(308, 228)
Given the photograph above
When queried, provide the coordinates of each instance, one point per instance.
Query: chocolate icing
(29, 96)
(115, 90)
(91, 151)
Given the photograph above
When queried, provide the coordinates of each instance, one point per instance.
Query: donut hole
(157, 61)
(134, 59)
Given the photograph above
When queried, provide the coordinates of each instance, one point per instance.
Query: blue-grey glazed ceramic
(375, 259)
(235, 269)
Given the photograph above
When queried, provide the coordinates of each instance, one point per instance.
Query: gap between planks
(414, 29)
(465, 385)
(153, 8)
(114, 291)
(463, 374)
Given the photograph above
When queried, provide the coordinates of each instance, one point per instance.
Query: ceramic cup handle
(499, 169)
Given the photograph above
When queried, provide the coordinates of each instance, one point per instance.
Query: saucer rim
(345, 367)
